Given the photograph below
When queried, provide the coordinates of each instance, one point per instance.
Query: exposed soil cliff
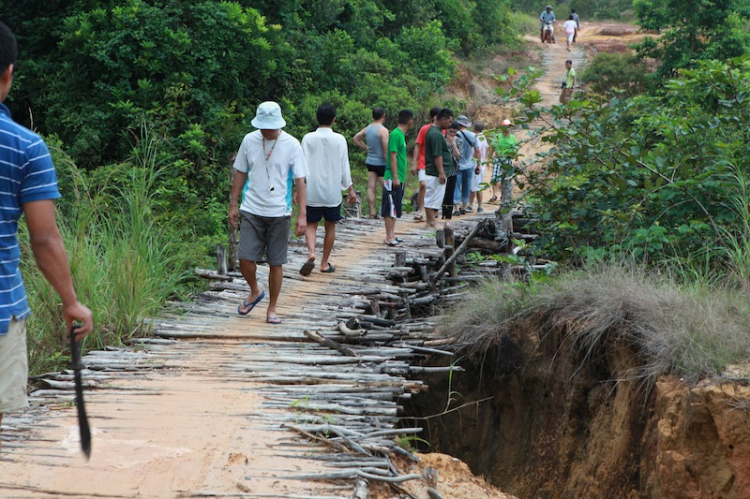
(557, 424)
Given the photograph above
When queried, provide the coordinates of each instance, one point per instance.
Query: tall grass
(526, 23)
(689, 329)
(125, 258)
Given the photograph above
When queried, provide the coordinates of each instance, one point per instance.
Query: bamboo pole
(458, 252)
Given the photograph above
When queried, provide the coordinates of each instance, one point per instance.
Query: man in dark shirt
(437, 155)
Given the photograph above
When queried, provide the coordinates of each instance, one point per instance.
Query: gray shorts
(14, 367)
(264, 235)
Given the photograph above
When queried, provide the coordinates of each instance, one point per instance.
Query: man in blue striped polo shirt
(28, 186)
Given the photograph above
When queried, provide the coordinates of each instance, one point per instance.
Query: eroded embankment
(556, 424)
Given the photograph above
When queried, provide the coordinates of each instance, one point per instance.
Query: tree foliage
(93, 73)
(611, 72)
(693, 30)
(655, 176)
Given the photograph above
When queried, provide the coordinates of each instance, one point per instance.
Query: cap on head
(549, 7)
(463, 121)
(506, 123)
(268, 117)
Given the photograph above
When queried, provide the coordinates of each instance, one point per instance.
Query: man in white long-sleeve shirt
(327, 157)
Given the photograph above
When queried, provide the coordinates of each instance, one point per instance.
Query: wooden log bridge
(215, 404)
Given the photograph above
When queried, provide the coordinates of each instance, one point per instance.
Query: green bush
(652, 176)
(609, 72)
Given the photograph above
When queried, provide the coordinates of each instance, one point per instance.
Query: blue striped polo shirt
(26, 174)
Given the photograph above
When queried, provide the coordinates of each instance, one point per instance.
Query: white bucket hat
(268, 117)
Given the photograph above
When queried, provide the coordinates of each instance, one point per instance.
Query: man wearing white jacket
(327, 156)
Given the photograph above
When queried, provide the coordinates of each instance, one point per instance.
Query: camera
(563, 85)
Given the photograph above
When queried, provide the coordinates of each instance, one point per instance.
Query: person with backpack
(466, 142)
(451, 171)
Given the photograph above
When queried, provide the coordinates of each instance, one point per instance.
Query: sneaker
(457, 213)
(462, 212)
(480, 210)
(468, 209)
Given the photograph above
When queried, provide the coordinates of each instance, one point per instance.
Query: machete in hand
(83, 421)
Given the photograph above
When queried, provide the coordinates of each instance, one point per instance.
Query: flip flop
(418, 218)
(273, 320)
(393, 243)
(307, 267)
(331, 268)
(399, 240)
(251, 304)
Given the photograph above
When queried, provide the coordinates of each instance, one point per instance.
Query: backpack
(467, 148)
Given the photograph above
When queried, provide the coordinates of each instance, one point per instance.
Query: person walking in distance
(478, 177)
(578, 23)
(28, 187)
(418, 162)
(268, 163)
(395, 176)
(570, 30)
(437, 154)
(375, 142)
(327, 156)
(569, 83)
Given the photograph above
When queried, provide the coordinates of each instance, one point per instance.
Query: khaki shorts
(261, 236)
(14, 367)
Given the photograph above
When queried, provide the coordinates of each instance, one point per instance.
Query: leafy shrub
(652, 176)
(609, 72)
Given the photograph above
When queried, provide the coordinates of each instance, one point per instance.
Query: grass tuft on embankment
(691, 330)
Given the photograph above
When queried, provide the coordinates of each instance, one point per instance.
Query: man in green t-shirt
(437, 156)
(570, 82)
(395, 176)
(504, 151)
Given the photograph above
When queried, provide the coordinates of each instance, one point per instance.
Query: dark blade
(83, 421)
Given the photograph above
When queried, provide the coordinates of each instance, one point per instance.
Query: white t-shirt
(570, 26)
(327, 156)
(268, 190)
(482, 145)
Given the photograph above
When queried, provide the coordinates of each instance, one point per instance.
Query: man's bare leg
(479, 199)
(328, 240)
(390, 228)
(431, 214)
(275, 276)
(248, 269)
(372, 179)
(422, 191)
(311, 235)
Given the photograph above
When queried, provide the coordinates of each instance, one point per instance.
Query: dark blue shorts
(329, 213)
(397, 195)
